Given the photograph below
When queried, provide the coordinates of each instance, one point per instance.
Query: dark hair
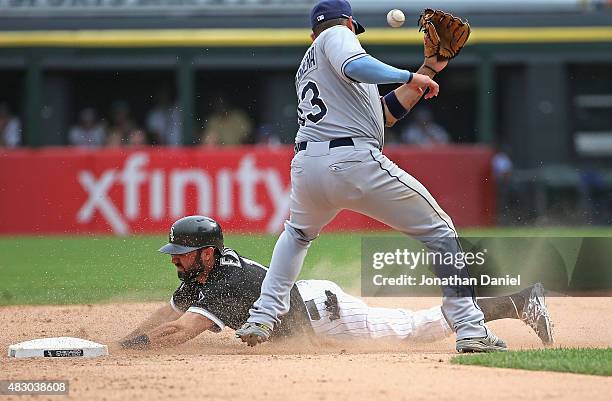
(328, 24)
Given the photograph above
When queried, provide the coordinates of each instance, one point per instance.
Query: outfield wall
(68, 190)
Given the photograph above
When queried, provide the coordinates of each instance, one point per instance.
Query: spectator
(164, 121)
(121, 120)
(114, 139)
(502, 166)
(423, 131)
(266, 136)
(137, 137)
(88, 132)
(10, 128)
(208, 139)
(231, 126)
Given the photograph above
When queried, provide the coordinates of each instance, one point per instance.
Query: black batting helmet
(192, 233)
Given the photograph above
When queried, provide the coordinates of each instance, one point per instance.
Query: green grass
(539, 232)
(588, 361)
(87, 269)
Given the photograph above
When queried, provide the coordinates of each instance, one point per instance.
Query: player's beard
(193, 273)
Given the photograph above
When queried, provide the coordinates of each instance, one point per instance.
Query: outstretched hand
(421, 83)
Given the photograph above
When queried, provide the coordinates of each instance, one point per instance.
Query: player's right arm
(190, 312)
(179, 302)
(162, 315)
(183, 329)
(410, 93)
(189, 325)
(369, 70)
(352, 63)
(373, 71)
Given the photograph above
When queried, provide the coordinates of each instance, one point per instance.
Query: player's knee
(297, 235)
(443, 240)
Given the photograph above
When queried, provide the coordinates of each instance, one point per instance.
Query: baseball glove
(445, 34)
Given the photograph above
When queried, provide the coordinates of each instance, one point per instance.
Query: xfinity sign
(167, 193)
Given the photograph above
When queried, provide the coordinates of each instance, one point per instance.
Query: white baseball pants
(356, 320)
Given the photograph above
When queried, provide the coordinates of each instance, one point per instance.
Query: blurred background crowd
(224, 126)
(161, 125)
(118, 126)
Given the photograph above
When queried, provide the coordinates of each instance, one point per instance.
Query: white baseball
(396, 18)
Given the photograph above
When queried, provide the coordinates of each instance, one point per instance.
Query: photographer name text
(424, 280)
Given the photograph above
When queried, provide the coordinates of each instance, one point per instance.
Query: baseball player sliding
(218, 286)
(339, 163)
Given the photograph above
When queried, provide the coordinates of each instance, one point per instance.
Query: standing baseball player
(218, 286)
(339, 165)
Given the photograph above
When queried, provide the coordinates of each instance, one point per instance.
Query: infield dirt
(219, 367)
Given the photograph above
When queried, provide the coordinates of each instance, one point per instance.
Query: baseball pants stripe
(359, 321)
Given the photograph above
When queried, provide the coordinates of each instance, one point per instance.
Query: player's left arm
(442, 41)
(169, 334)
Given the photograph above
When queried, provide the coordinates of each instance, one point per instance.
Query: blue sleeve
(369, 70)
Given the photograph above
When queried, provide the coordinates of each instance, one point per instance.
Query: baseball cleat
(489, 343)
(253, 333)
(535, 314)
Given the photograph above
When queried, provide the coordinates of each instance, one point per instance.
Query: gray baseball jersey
(323, 114)
(326, 180)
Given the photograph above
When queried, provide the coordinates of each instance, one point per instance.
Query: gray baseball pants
(360, 178)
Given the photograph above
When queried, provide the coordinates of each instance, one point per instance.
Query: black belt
(334, 143)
